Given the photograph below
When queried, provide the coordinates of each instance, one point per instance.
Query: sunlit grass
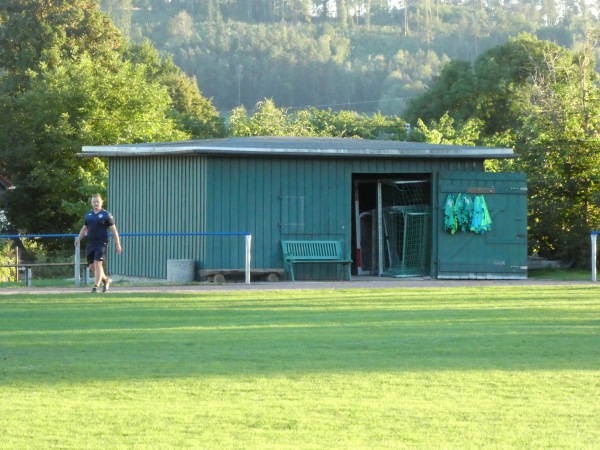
(504, 367)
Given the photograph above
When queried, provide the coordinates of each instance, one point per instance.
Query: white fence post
(594, 255)
(248, 256)
(77, 264)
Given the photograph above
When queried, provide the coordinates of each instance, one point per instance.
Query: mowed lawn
(481, 367)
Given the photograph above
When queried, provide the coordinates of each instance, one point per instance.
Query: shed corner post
(594, 237)
(248, 256)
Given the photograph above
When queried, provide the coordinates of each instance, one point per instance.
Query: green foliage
(452, 92)
(560, 150)
(352, 124)
(7, 256)
(67, 81)
(494, 89)
(543, 100)
(36, 33)
(309, 53)
(75, 104)
(268, 120)
(445, 131)
(300, 65)
(192, 112)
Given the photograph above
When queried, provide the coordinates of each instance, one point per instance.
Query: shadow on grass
(82, 339)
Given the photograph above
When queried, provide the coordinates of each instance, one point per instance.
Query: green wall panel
(498, 253)
(156, 195)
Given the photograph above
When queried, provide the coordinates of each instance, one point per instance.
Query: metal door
(500, 253)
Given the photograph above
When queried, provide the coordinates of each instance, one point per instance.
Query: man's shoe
(106, 284)
(94, 289)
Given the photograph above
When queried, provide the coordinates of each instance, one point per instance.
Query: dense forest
(361, 55)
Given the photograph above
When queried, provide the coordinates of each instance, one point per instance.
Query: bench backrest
(317, 250)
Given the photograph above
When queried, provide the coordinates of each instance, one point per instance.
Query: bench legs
(289, 268)
(349, 268)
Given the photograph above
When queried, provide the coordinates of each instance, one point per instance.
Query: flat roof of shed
(299, 146)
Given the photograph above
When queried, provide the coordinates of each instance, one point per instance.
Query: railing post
(77, 264)
(248, 256)
(594, 255)
(17, 264)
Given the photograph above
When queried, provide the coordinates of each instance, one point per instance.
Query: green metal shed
(384, 200)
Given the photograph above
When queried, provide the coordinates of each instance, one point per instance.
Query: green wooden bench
(315, 252)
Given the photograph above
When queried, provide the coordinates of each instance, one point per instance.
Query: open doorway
(392, 224)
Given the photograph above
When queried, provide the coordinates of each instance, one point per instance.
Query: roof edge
(431, 151)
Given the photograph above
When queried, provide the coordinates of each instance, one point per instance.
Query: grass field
(485, 367)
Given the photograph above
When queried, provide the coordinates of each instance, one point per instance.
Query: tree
(66, 107)
(493, 89)
(37, 32)
(268, 120)
(559, 147)
(453, 91)
(120, 13)
(193, 113)
(445, 131)
(70, 83)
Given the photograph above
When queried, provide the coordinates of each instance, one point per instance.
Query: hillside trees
(282, 49)
(303, 66)
(66, 83)
(120, 13)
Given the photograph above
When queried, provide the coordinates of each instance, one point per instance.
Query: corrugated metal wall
(156, 195)
(271, 198)
(275, 198)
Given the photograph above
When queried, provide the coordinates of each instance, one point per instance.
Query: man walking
(98, 222)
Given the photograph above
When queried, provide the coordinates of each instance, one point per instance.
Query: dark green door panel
(498, 253)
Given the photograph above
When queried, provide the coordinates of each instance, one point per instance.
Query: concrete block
(181, 270)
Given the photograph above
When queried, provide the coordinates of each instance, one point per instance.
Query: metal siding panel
(235, 191)
(152, 195)
(325, 186)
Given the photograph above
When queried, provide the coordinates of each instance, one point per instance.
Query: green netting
(405, 243)
(406, 240)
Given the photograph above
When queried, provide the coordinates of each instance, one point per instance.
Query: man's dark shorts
(96, 253)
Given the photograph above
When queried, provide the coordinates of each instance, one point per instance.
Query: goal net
(405, 229)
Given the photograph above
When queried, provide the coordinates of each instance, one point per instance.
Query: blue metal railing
(77, 263)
